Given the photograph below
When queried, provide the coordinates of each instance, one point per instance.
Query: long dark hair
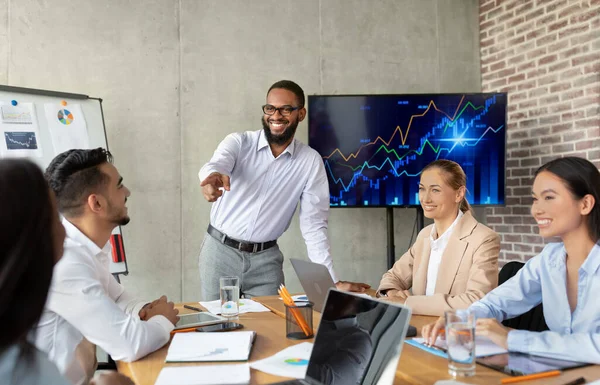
(581, 178)
(26, 248)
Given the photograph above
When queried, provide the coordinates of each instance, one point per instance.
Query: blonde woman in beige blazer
(454, 261)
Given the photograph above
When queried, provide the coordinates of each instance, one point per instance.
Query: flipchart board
(40, 124)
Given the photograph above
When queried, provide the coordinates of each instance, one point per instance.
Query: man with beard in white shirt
(256, 180)
(86, 305)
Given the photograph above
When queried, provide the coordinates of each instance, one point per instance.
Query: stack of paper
(198, 347)
(245, 306)
(204, 375)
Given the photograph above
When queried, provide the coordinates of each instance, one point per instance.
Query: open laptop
(315, 280)
(359, 341)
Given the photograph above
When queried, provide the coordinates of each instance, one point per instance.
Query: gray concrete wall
(177, 76)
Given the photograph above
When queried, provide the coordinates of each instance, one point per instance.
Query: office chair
(533, 320)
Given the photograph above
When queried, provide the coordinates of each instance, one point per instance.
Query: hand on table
(494, 330)
(144, 311)
(212, 184)
(397, 296)
(431, 331)
(162, 307)
(358, 287)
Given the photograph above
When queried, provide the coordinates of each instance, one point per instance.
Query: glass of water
(460, 337)
(230, 296)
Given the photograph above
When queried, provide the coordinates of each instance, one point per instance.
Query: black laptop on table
(358, 342)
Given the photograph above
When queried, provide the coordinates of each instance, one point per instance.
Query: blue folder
(427, 348)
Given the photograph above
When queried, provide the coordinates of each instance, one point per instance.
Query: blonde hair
(454, 176)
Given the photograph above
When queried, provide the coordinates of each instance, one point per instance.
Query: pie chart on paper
(296, 361)
(65, 117)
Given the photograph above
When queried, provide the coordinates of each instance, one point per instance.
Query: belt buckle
(245, 247)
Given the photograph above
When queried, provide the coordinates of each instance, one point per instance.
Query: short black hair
(292, 87)
(581, 178)
(27, 251)
(75, 174)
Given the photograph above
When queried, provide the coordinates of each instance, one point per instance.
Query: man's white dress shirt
(266, 190)
(85, 300)
(438, 246)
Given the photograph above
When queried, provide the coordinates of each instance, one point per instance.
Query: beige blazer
(467, 272)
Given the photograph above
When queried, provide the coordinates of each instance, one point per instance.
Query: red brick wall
(546, 55)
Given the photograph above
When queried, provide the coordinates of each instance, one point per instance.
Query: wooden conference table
(415, 367)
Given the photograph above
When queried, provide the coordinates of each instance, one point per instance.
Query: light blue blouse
(543, 279)
(39, 371)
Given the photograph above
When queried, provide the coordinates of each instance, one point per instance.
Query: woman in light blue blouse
(565, 276)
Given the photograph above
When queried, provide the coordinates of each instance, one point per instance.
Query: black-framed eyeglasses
(283, 110)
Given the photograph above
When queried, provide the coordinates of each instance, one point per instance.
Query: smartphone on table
(222, 327)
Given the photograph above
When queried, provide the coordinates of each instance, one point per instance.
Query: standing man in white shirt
(256, 179)
(86, 305)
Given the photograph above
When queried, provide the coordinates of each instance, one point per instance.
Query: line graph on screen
(374, 158)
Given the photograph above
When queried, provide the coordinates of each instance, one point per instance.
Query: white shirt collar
(76, 236)
(262, 143)
(444, 237)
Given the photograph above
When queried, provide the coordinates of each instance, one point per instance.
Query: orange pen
(528, 377)
(193, 329)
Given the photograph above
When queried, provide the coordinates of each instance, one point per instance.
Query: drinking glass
(460, 337)
(230, 296)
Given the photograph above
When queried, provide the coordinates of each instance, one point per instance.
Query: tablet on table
(198, 319)
(519, 364)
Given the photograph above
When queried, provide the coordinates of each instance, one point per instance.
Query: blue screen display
(375, 146)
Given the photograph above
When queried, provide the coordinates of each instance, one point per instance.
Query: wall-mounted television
(375, 146)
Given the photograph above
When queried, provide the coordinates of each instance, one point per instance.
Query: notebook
(359, 341)
(211, 347)
(233, 374)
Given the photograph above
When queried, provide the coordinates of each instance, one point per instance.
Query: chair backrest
(533, 320)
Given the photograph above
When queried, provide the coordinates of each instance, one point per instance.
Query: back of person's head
(292, 87)
(581, 178)
(454, 176)
(28, 247)
(75, 174)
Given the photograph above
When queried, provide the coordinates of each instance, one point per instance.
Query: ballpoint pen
(193, 308)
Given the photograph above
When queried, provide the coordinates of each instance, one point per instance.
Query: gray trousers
(259, 273)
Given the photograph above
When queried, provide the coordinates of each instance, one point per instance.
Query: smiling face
(555, 209)
(280, 129)
(438, 200)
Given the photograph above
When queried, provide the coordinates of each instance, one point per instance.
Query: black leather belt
(241, 246)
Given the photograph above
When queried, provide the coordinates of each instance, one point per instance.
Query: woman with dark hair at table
(31, 242)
